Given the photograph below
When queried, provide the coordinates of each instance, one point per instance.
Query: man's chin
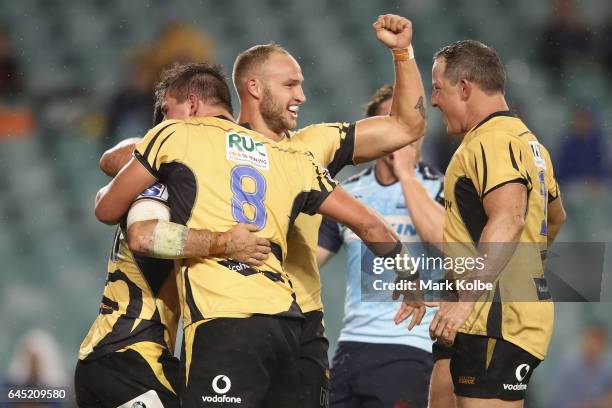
(290, 124)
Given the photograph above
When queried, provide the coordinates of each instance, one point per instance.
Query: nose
(299, 95)
(434, 99)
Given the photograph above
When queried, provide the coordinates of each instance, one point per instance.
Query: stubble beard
(272, 114)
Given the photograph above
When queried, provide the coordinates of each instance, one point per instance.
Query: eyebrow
(292, 81)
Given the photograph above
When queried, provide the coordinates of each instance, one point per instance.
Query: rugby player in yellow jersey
(127, 355)
(269, 83)
(501, 199)
(242, 324)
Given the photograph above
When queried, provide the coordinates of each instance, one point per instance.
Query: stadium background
(75, 78)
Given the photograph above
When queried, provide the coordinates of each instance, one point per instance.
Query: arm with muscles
(426, 214)
(150, 233)
(378, 136)
(505, 208)
(168, 240)
(115, 158)
(376, 235)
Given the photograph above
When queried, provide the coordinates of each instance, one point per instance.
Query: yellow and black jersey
(332, 145)
(498, 151)
(140, 299)
(218, 174)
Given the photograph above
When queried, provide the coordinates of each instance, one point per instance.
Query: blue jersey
(372, 322)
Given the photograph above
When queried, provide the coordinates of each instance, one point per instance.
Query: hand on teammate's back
(244, 246)
(393, 31)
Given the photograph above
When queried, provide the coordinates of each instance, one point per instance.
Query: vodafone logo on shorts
(221, 379)
(221, 385)
(520, 373)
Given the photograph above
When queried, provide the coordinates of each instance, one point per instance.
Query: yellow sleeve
(165, 143)
(551, 181)
(332, 144)
(494, 160)
(318, 184)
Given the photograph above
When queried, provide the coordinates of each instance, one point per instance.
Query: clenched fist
(394, 31)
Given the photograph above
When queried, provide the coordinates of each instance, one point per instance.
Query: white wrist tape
(169, 240)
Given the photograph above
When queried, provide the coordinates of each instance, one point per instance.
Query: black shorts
(121, 377)
(441, 352)
(485, 367)
(314, 362)
(380, 375)
(245, 362)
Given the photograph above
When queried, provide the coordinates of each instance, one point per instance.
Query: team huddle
(222, 224)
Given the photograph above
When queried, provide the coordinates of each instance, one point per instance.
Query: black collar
(225, 118)
(493, 115)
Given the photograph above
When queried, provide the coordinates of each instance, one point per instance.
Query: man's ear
(254, 88)
(194, 102)
(465, 89)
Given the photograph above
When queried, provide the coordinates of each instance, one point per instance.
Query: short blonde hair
(253, 57)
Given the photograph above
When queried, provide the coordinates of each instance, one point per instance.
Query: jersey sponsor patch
(537, 154)
(243, 149)
(157, 191)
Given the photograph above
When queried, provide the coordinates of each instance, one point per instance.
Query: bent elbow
(104, 217)
(413, 131)
(419, 129)
(103, 214)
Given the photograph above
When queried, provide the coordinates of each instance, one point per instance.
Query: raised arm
(118, 156)
(378, 136)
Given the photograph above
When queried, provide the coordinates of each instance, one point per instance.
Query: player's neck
(213, 110)
(384, 173)
(485, 106)
(252, 116)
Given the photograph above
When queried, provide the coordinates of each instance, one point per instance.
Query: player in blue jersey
(378, 363)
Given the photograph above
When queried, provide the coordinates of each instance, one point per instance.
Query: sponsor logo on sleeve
(156, 190)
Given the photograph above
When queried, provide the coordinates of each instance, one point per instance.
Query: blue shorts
(379, 375)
